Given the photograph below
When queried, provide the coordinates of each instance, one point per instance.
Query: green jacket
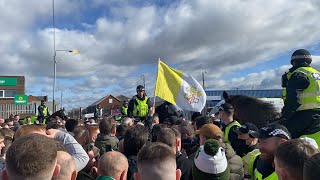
(106, 143)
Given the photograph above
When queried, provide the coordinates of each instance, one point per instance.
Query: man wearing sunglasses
(139, 105)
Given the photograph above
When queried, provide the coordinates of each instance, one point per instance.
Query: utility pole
(61, 100)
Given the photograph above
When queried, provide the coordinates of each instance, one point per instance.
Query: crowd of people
(142, 146)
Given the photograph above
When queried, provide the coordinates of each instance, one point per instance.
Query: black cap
(248, 128)
(140, 88)
(301, 56)
(274, 130)
(226, 107)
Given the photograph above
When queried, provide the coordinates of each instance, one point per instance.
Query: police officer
(302, 97)
(139, 105)
(249, 133)
(43, 112)
(124, 108)
(226, 112)
(270, 137)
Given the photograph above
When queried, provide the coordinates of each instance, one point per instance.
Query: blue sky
(241, 44)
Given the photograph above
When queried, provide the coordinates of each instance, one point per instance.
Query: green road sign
(8, 81)
(20, 99)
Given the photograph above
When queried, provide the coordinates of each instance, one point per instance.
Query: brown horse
(251, 109)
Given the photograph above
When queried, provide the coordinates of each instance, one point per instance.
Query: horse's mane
(251, 109)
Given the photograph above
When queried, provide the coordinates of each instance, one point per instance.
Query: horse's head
(251, 109)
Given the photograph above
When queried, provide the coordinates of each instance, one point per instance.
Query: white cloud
(196, 35)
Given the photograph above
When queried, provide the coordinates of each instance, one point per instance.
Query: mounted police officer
(139, 105)
(43, 112)
(301, 110)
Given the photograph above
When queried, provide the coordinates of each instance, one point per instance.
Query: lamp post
(205, 107)
(55, 73)
(144, 80)
(203, 79)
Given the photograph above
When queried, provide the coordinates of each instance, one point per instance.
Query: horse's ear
(225, 95)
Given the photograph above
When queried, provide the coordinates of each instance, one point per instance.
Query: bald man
(67, 167)
(114, 165)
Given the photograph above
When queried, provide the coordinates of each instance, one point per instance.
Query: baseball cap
(248, 128)
(274, 130)
(210, 131)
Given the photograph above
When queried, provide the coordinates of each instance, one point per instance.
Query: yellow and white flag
(179, 88)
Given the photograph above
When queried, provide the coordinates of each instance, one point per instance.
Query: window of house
(1, 93)
(110, 101)
(9, 93)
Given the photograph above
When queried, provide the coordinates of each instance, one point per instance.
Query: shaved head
(157, 161)
(67, 166)
(113, 164)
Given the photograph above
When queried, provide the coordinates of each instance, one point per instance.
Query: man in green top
(139, 105)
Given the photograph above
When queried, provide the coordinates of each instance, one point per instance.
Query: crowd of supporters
(198, 148)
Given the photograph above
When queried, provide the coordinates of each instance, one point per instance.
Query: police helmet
(301, 56)
(140, 88)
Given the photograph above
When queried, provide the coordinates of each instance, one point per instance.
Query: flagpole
(154, 91)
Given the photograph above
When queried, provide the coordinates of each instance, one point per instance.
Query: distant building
(10, 86)
(214, 96)
(110, 104)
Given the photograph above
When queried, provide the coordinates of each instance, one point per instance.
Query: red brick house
(109, 103)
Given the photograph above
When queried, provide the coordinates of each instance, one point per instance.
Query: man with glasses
(139, 105)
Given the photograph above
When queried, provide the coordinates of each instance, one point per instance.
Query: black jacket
(297, 81)
(265, 168)
(185, 165)
(133, 167)
(238, 145)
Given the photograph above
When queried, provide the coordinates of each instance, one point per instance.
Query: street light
(55, 72)
(204, 112)
(203, 79)
(144, 80)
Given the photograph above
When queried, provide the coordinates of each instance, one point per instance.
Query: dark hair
(105, 126)
(134, 139)
(71, 124)
(121, 129)
(292, 155)
(154, 132)
(31, 155)
(79, 131)
(195, 115)
(154, 153)
(311, 168)
(167, 136)
(186, 130)
(202, 120)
